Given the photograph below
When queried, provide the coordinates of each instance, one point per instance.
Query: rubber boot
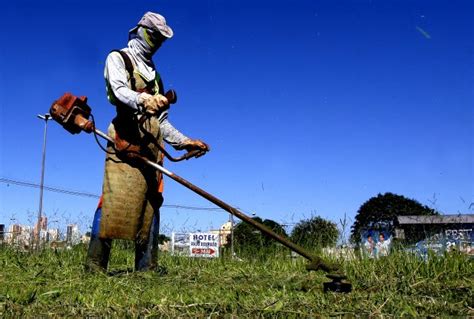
(99, 249)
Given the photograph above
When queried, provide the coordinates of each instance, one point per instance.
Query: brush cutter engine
(72, 113)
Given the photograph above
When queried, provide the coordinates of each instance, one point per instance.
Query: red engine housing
(72, 113)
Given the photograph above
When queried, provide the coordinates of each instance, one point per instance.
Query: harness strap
(128, 66)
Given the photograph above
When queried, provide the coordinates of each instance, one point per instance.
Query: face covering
(142, 52)
(142, 45)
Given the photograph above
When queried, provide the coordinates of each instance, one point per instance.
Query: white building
(73, 236)
(19, 235)
(53, 234)
(223, 232)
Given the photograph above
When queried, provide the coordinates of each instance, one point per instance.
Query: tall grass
(50, 283)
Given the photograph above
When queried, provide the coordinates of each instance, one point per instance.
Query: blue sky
(310, 107)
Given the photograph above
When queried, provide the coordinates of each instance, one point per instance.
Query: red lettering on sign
(203, 251)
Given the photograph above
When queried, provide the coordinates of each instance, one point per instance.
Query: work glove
(191, 145)
(153, 104)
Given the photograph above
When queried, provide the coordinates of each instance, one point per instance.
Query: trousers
(146, 252)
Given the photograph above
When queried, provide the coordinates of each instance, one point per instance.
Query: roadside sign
(195, 245)
(180, 244)
(204, 245)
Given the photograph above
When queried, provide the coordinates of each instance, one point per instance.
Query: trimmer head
(337, 284)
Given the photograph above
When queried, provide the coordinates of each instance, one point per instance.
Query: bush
(315, 233)
(248, 239)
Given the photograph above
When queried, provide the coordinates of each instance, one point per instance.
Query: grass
(50, 283)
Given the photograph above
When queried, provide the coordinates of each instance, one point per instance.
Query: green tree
(246, 237)
(381, 212)
(162, 238)
(315, 233)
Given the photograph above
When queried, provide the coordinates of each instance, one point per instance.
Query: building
(442, 232)
(41, 224)
(20, 236)
(53, 234)
(224, 232)
(73, 236)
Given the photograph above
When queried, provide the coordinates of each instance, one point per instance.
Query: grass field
(54, 284)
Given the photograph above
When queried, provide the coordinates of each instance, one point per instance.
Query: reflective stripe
(110, 94)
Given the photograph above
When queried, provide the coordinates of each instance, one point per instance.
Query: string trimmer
(74, 115)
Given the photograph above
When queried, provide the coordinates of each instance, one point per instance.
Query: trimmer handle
(188, 155)
(171, 96)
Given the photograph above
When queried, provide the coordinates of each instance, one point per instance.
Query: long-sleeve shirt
(115, 74)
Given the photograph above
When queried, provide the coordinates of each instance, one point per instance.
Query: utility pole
(45, 118)
(232, 235)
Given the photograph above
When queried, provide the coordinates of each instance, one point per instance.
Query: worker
(132, 191)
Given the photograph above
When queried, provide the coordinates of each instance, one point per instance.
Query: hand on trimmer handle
(171, 97)
(196, 148)
(194, 144)
(188, 155)
(154, 104)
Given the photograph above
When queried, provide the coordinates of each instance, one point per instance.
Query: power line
(48, 188)
(91, 195)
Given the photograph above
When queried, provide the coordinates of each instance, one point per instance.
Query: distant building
(73, 236)
(15, 229)
(53, 234)
(40, 231)
(19, 235)
(42, 224)
(224, 231)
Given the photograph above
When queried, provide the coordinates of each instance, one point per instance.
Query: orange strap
(161, 182)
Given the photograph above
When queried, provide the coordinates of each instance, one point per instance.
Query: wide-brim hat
(154, 21)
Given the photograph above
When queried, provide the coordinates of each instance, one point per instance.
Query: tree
(381, 212)
(248, 237)
(162, 238)
(315, 233)
(277, 228)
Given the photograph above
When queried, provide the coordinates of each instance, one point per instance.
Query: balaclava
(141, 46)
